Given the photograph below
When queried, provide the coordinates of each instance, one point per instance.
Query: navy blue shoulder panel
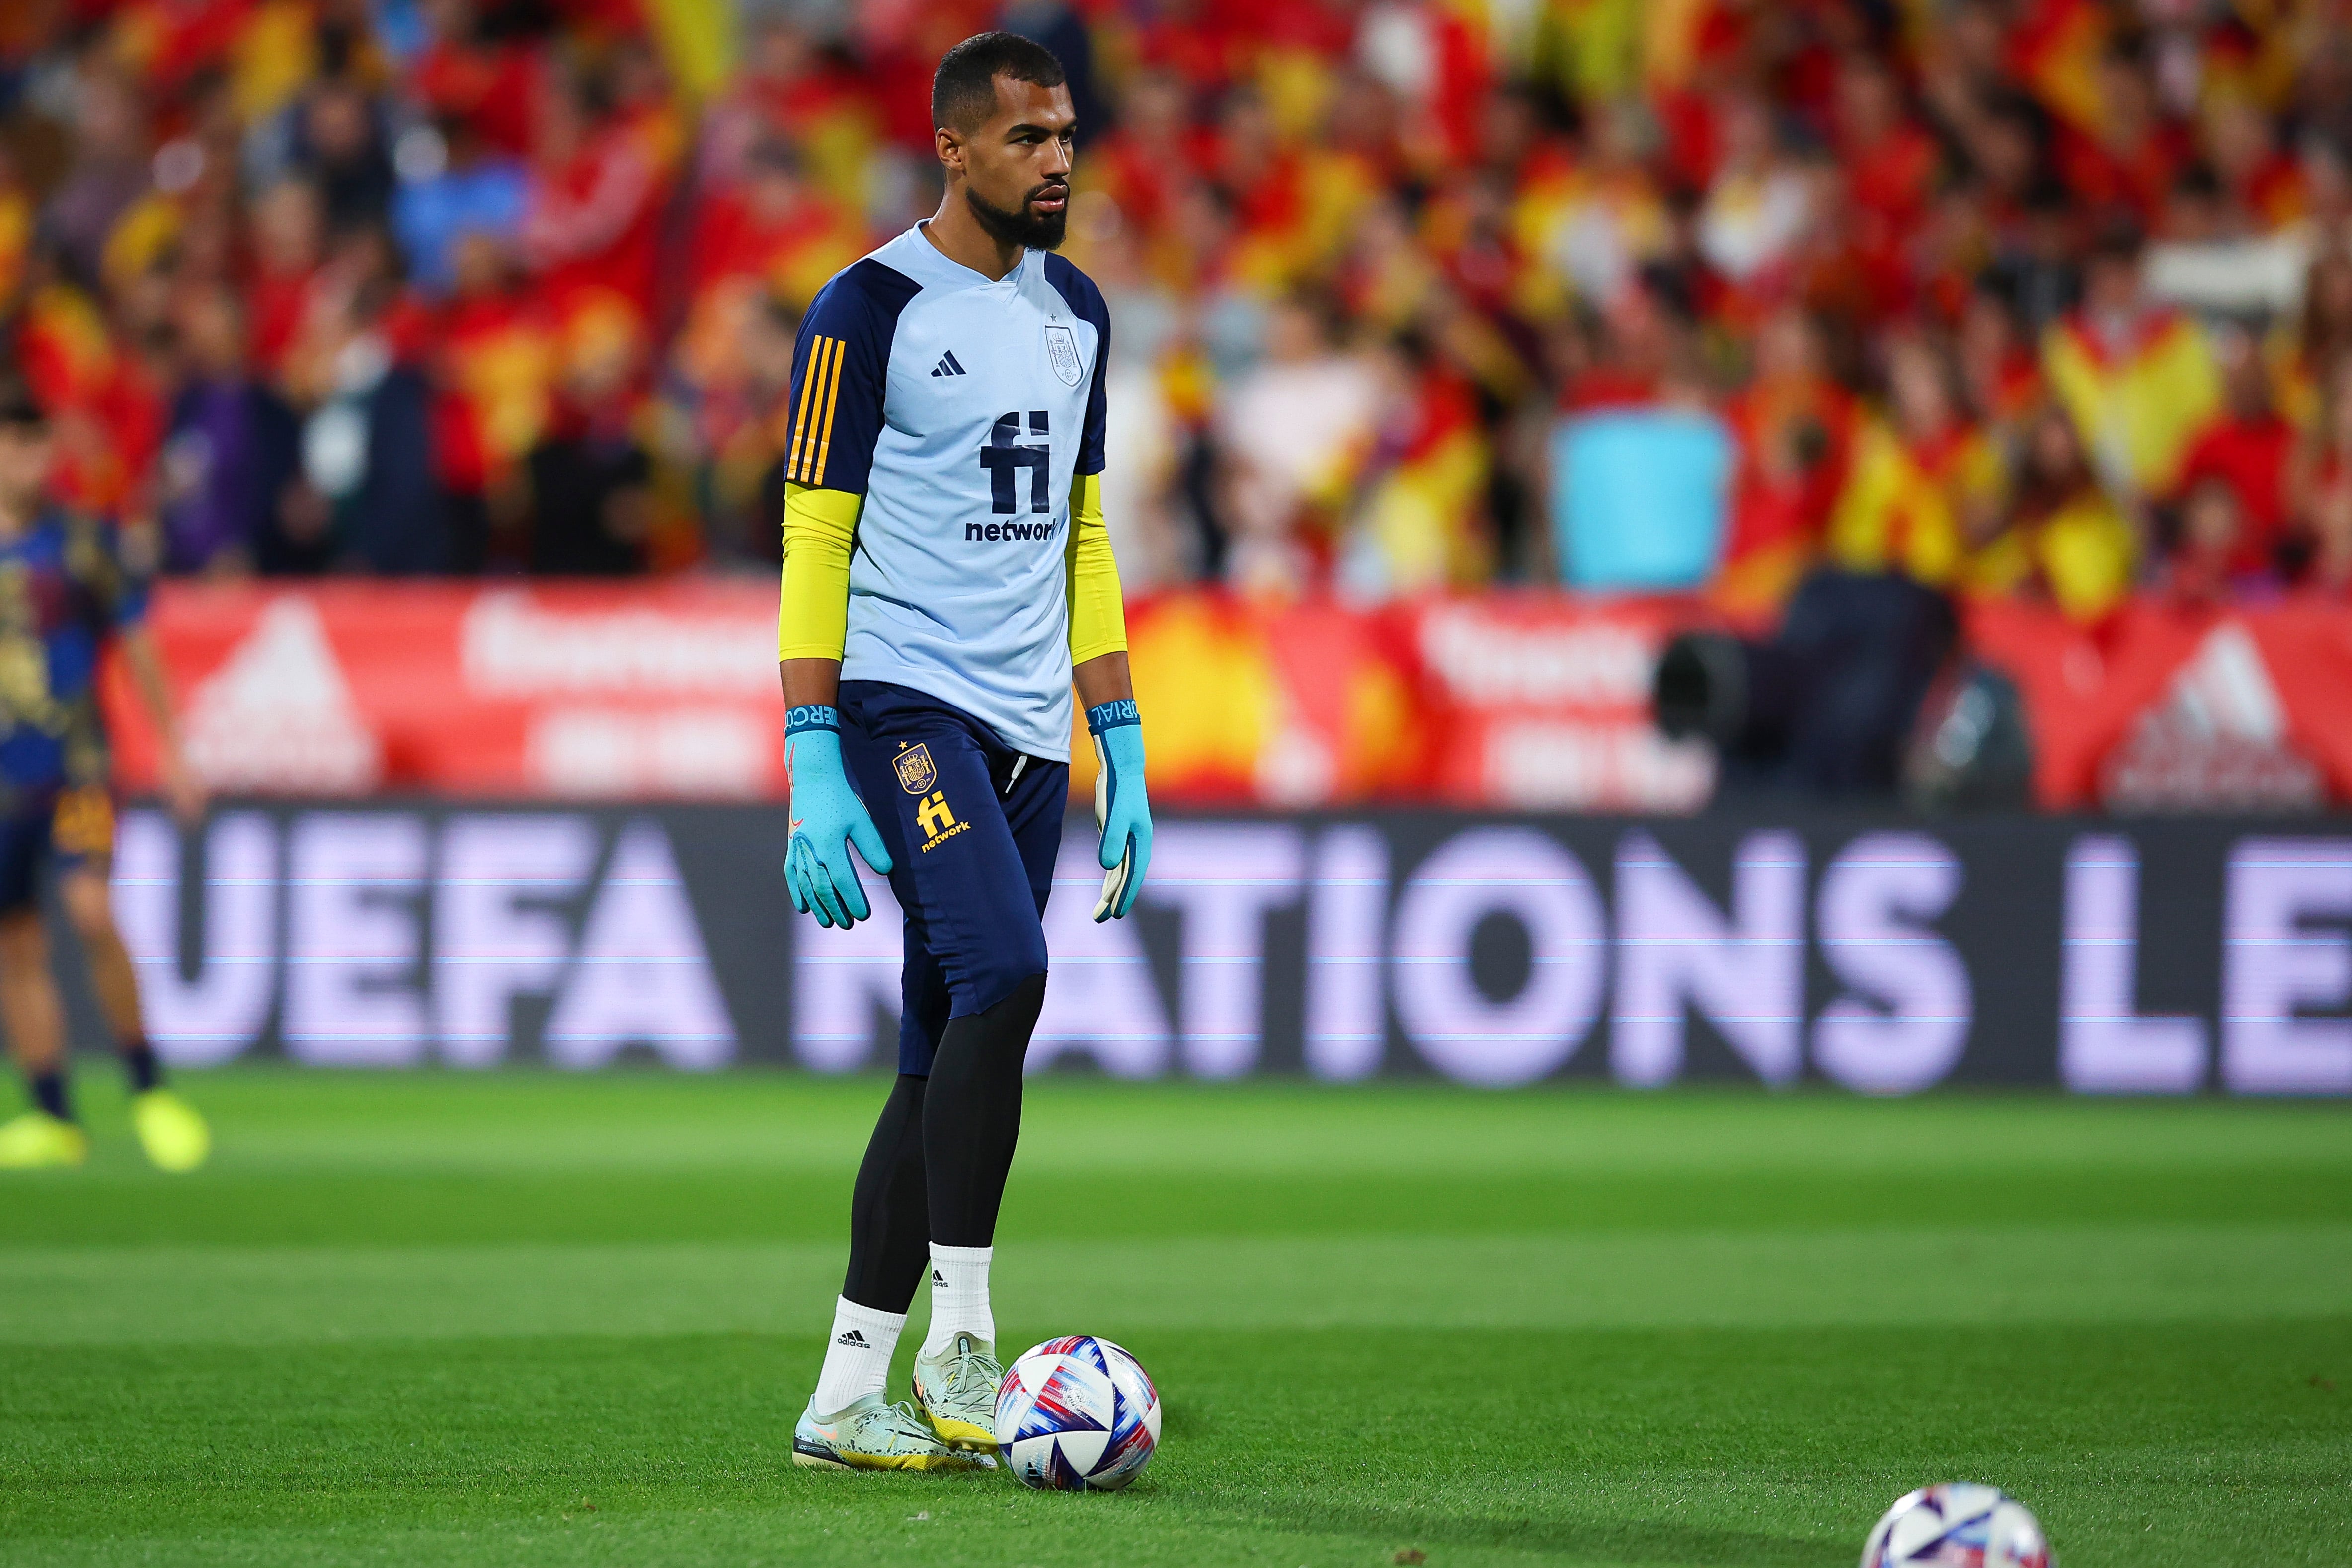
(1079, 290)
(841, 368)
(1087, 301)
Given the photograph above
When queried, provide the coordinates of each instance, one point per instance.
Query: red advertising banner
(2166, 706)
(1544, 703)
(1531, 700)
(576, 691)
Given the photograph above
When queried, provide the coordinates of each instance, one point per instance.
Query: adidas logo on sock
(852, 1337)
(938, 1280)
(948, 365)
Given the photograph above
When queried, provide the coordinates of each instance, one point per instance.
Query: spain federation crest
(1061, 349)
(917, 773)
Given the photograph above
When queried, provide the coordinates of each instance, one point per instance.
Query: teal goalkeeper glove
(827, 818)
(1122, 809)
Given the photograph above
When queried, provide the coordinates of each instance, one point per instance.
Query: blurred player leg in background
(173, 1135)
(45, 1134)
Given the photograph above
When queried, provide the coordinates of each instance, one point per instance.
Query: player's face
(1016, 166)
(23, 464)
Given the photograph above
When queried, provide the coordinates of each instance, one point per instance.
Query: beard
(1031, 230)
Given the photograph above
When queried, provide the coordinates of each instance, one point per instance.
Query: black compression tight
(935, 1168)
(972, 1119)
(890, 1229)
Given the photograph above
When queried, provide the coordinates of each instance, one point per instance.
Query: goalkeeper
(947, 577)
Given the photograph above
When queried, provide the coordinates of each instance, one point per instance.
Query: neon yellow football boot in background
(173, 1135)
(37, 1139)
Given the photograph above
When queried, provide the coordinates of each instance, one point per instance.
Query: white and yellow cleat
(957, 1393)
(868, 1435)
(37, 1139)
(169, 1130)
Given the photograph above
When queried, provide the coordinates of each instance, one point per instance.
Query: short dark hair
(20, 409)
(963, 90)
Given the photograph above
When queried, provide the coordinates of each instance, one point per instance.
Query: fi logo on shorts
(937, 820)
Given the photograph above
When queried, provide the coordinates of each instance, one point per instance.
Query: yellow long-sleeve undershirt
(820, 528)
(813, 614)
(1098, 612)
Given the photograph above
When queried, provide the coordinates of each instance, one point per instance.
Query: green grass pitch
(527, 1319)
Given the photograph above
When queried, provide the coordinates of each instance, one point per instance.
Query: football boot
(169, 1128)
(37, 1139)
(868, 1435)
(957, 1393)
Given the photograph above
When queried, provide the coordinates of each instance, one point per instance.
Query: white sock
(959, 1296)
(858, 1359)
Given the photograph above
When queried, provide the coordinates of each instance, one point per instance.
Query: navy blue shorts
(972, 827)
(25, 849)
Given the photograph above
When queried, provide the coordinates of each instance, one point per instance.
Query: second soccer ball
(1957, 1524)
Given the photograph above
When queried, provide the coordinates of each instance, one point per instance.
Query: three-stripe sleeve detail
(813, 423)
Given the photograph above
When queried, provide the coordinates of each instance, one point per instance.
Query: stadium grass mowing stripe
(1923, 1278)
(630, 1121)
(1557, 1327)
(237, 1206)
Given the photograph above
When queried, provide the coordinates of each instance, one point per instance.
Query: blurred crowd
(2041, 297)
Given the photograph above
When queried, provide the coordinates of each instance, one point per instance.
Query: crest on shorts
(1061, 349)
(917, 773)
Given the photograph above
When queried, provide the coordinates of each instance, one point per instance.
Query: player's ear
(949, 147)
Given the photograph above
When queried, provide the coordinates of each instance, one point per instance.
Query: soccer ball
(1957, 1524)
(1077, 1415)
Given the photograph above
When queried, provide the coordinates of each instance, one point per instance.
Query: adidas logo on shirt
(948, 365)
(852, 1337)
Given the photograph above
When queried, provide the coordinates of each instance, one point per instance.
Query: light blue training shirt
(961, 408)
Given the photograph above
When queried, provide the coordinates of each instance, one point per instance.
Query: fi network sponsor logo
(994, 532)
